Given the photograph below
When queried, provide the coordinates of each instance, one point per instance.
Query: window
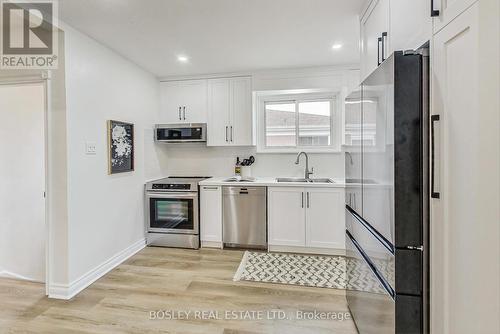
(301, 122)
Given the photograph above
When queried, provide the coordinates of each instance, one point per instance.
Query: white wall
(22, 176)
(105, 212)
(197, 159)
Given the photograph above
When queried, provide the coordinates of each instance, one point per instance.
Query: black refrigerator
(386, 166)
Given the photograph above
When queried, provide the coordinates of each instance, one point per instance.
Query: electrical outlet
(90, 148)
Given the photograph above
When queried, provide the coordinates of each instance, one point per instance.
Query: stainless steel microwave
(181, 133)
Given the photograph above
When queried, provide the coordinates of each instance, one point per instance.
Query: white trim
(276, 72)
(11, 275)
(241, 267)
(44, 79)
(211, 244)
(295, 96)
(307, 250)
(63, 291)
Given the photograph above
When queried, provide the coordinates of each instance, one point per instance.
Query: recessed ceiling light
(336, 46)
(183, 59)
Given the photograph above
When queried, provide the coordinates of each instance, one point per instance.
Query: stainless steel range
(172, 215)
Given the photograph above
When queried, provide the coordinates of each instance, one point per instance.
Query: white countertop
(269, 182)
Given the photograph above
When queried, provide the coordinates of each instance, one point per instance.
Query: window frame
(335, 122)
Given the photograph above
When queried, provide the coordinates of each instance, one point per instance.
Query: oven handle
(158, 194)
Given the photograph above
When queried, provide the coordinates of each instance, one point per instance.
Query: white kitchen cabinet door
(193, 100)
(219, 109)
(374, 22)
(464, 220)
(286, 216)
(183, 101)
(411, 23)
(230, 112)
(211, 214)
(241, 111)
(325, 218)
(171, 102)
(448, 10)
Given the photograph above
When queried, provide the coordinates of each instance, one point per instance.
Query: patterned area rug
(305, 270)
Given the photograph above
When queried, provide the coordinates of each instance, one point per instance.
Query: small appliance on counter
(171, 211)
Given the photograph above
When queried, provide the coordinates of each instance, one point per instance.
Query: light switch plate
(90, 148)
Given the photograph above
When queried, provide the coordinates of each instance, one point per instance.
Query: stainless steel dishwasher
(244, 217)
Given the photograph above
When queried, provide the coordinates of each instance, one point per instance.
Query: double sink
(298, 179)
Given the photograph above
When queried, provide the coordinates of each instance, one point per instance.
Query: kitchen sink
(322, 181)
(298, 179)
(291, 179)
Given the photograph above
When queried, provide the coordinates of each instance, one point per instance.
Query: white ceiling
(221, 35)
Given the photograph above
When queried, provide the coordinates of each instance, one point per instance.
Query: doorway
(23, 230)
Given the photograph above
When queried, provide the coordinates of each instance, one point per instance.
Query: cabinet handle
(226, 134)
(302, 200)
(210, 188)
(379, 40)
(232, 133)
(434, 119)
(384, 38)
(180, 108)
(184, 112)
(307, 199)
(434, 12)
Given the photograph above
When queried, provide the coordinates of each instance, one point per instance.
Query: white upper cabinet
(219, 112)
(374, 23)
(241, 116)
(230, 112)
(448, 10)
(184, 101)
(393, 25)
(411, 23)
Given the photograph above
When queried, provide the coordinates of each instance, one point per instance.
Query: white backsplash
(198, 159)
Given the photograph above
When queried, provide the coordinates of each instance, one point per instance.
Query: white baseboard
(307, 250)
(211, 244)
(63, 291)
(11, 275)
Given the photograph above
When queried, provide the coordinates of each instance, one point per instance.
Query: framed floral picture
(120, 147)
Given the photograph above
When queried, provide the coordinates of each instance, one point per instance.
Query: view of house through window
(299, 123)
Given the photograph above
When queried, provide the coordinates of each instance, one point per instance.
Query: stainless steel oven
(172, 214)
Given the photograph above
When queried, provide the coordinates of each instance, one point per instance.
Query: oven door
(172, 212)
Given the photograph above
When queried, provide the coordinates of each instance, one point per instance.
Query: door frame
(44, 79)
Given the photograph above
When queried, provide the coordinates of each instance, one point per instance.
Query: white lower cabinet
(286, 216)
(325, 223)
(306, 217)
(211, 216)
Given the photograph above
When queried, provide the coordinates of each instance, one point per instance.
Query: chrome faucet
(307, 173)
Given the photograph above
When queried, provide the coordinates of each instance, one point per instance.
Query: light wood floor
(169, 279)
